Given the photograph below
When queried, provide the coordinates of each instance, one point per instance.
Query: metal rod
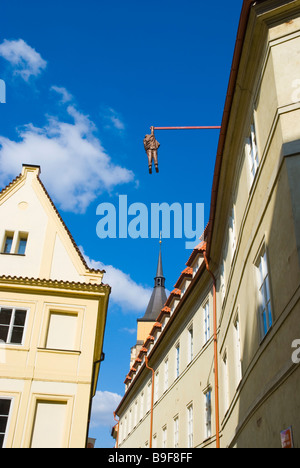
(187, 128)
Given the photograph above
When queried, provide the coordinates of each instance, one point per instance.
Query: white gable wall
(23, 212)
(50, 254)
(62, 265)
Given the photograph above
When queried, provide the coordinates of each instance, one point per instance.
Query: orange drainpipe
(152, 401)
(118, 425)
(215, 353)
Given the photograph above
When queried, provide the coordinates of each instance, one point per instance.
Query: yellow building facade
(52, 320)
(217, 369)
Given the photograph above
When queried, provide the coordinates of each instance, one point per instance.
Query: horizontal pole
(187, 128)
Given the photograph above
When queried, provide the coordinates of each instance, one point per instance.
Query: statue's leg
(155, 160)
(149, 154)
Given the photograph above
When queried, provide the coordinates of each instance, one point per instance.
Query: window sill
(13, 254)
(59, 351)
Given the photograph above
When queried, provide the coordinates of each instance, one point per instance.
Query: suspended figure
(151, 146)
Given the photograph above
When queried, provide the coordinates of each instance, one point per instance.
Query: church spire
(159, 296)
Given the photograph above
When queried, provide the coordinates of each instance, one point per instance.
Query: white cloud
(126, 293)
(113, 119)
(75, 167)
(65, 95)
(104, 405)
(25, 60)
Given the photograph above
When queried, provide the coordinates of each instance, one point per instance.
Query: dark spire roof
(159, 296)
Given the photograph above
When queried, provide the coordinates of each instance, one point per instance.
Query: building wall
(34, 372)
(52, 321)
(256, 214)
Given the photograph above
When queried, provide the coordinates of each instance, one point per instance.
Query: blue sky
(85, 81)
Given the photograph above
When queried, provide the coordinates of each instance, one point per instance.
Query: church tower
(156, 303)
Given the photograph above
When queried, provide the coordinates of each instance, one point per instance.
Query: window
(156, 386)
(164, 437)
(5, 405)
(15, 243)
(62, 331)
(12, 324)
(176, 432)
(206, 322)
(252, 153)
(237, 348)
(191, 345)
(22, 243)
(265, 311)
(177, 363)
(166, 381)
(8, 242)
(149, 388)
(190, 426)
(222, 281)
(142, 406)
(232, 233)
(207, 396)
(135, 413)
(226, 381)
(49, 424)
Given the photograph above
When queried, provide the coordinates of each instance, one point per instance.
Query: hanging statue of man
(151, 146)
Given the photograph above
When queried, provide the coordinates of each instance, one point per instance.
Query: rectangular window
(142, 406)
(166, 380)
(237, 347)
(232, 233)
(149, 391)
(265, 311)
(164, 437)
(49, 424)
(206, 323)
(190, 426)
(5, 405)
(226, 381)
(191, 345)
(252, 153)
(135, 413)
(222, 281)
(12, 324)
(9, 236)
(176, 432)
(156, 386)
(208, 414)
(177, 363)
(62, 331)
(22, 243)
(15, 243)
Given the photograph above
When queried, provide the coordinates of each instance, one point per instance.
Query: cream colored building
(219, 361)
(52, 320)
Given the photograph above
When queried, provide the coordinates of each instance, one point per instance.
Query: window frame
(12, 325)
(5, 434)
(252, 153)
(263, 288)
(190, 425)
(190, 343)
(208, 412)
(176, 431)
(16, 238)
(177, 360)
(206, 322)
